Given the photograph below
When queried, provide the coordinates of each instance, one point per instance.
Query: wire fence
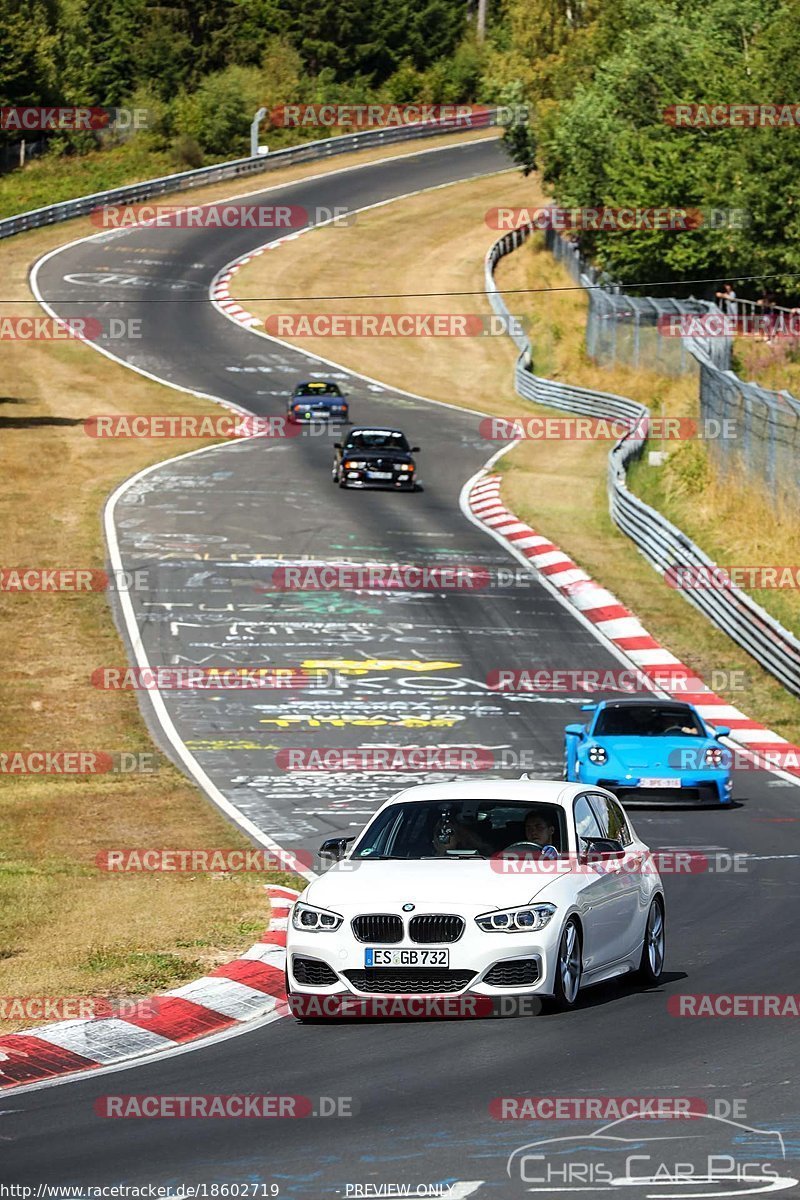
(665, 546)
(763, 425)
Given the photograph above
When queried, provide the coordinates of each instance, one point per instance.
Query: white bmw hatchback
(523, 888)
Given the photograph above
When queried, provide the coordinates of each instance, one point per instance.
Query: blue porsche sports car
(649, 749)
(318, 400)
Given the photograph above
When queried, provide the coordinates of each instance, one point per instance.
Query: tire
(651, 964)
(569, 968)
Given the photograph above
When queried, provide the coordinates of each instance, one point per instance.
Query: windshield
(317, 389)
(648, 720)
(377, 439)
(460, 829)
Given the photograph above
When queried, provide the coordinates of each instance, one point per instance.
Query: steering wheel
(524, 848)
(673, 729)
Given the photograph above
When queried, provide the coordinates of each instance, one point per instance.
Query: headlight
(714, 756)
(597, 754)
(351, 465)
(516, 920)
(314, 920)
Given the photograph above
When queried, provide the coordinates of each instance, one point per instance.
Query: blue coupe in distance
(318, 400)
(649, 750)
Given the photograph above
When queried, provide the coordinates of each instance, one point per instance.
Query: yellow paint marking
(362, 666)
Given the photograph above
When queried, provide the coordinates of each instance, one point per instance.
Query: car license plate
(406, 958)
(660, 783)
(379, 474)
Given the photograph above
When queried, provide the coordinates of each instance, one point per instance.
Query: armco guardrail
(662, 544)
(306, 152)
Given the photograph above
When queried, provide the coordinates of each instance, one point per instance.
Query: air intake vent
(397, 981)
(313, 973)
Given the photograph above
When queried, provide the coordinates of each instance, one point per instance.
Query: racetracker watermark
(393, 325)
(78, 762)
(727, 1004)
(72, 579)
(81, 329)
(219, 216)
(612, 1108)
(417, 1007)
(393, 116)
(77, 1008)
(693, 758)
(616, 220)
(648, 862)
(403, 577)
(184, 425)
(209, 678)
(385, 758)
(630, 680)
(705, 325)
(588, 429)
(737, 116)
(204, 1107)
(200, 861)
(69, 118)
(689, 578)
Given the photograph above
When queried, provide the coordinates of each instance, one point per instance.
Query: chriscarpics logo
(642, 1158)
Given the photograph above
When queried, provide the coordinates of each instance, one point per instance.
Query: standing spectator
(726, 299)
(767, 305)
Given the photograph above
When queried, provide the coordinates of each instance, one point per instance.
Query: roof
(375, 429)
(534, 791)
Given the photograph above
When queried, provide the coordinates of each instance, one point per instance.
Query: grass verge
(559, 487)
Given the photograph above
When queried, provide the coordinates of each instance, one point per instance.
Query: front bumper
(471, 960)
(696, 787)
(310, 416)
(402, 481)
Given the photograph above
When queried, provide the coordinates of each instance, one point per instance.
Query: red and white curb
(221, 285)
(621, 627)
(248, 987)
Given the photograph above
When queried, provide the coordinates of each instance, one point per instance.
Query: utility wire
(411, 295)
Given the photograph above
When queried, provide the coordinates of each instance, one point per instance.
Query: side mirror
(334, 849)
(574, 730)
(415, 449)
(337, 445)
(722, 731)
(602, 847)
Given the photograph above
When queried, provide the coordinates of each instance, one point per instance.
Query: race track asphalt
(208, 530)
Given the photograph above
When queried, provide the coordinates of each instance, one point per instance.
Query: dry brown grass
(450, 238)
(559, 487)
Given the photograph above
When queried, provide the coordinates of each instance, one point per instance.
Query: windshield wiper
(380, 857)
(451, 854)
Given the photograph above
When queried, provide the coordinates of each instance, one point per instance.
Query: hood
(662, 753)
(445, 885)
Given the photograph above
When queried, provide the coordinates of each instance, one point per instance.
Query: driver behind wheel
(540, 833)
